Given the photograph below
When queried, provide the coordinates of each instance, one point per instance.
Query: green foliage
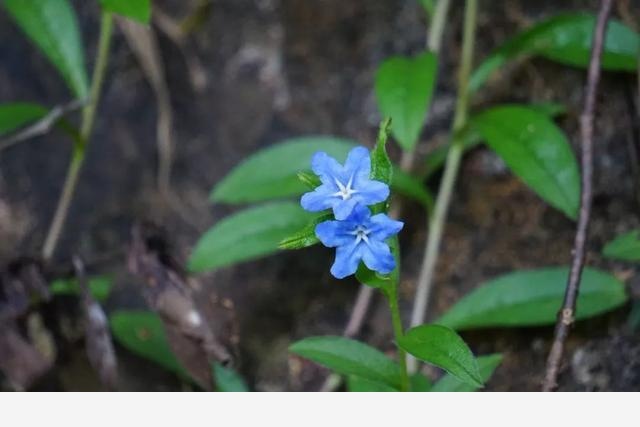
(16, 115)
(273, 172)
(408, 186)
(532, 298)
(486, 365)
(565, 39)
(309, 179)
(536, 150)
(429, 6)
(227, 380)
(625, 247)
(442, 347)
(404, 87)
(138, 10)
(100, 287)
(142, 333)
(247, 235)
(381, 168)
(306, 236)
(53, 27)
(361, 385)
(420, 383)
(349, 357)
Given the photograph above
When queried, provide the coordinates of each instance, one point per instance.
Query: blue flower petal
(347, 259)
(378, 257)
(358, 164)
(343, 208)
(327, 169)
(318, 200)
(371, 192)
(382, 227)
(335, 233)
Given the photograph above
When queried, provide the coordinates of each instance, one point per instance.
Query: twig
(437, 221)
(566, 316)
(42, 126)
(77, 159)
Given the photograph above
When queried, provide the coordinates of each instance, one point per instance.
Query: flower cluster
(356, 234)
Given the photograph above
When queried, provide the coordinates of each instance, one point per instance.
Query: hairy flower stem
(79, 149)
(398, 331)
(437, 221)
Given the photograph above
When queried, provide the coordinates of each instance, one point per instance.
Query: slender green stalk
(77, 159)
(398, 331)
(437, 221)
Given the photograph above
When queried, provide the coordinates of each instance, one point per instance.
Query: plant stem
(566, 315)
(398, 331)
(437, 221)
(79, 150)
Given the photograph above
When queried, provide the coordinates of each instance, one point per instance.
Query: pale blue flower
(360, 237)
(343, 187)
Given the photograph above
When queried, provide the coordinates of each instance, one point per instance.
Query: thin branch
(42, 126)
(437, 221)
(566, 316)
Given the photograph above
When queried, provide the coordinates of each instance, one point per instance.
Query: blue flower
(360, 237)
(343, 187)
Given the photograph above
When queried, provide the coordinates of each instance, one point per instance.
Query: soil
(284, 68)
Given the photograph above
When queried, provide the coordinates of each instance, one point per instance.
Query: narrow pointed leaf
(404, 87)
(532, 298)
(565, 39)
(536, 150)
(349, 357)
(625, 247)
(306, 236)
(442, 347)
(486, 365)
(138, 10)
(17, 115)
(52, 25)
(247, 235)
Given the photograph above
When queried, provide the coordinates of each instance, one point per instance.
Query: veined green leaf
(349, 357)
(533, 298)
(536, 150)
(246, 235)
(486, 365)
(442, 347)
(404, 87)
(138, 10)
(625, 247)
(565, 39)
(52, 25)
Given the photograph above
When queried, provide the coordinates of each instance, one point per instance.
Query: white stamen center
(344, 191)
(361, 234)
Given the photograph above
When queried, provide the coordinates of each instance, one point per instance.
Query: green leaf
(273, 172)
(53, 27)
(227, 380)
(246, 235)
(442, 347)
(404, 87)
(533, 298)
(536, 150)
(411, 187)
(428, 6)
(625, 247)
(362, 385)
(420, 383)
(138, 10)
(306, 236)
(371, 278)
(381, 169)
(100, 287)
(486, 365)
(349, 357)
(471, 138)
(142, 333)
(565, 39)
(309, 179)
(16, 115)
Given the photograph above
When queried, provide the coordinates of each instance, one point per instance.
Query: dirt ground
(285, 68)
